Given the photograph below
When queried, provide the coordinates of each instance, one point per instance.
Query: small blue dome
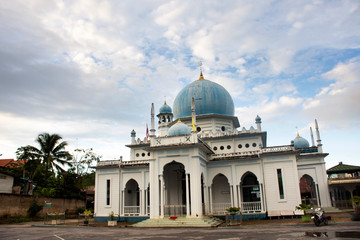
(165, 108)
(300, 142)
(210, 97)
(133, 133)
(258, 119)
(179, 129)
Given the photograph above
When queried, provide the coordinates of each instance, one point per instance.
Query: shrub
(80, 210)
(34, 208)
(355, 201)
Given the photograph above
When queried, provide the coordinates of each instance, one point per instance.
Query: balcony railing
(276, 149)
(220, 208)
(247, 207)
(121, 163)
(131, 210)
(175, 210)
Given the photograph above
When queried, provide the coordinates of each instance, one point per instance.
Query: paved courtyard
(300, 231)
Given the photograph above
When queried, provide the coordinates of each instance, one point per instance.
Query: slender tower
(318, 140)
(258, 123)
(152, 130)
(312, 137)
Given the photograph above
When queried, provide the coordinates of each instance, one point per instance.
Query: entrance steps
(331, 210)
(326, 210)
(204, 221)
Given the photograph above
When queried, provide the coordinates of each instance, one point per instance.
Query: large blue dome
(179, 129)
(210, 97)
(300, 142)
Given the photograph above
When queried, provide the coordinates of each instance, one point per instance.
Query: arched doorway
(308, 191)
(175, 189)
(251, 194)
(221, 198)
(132, 198)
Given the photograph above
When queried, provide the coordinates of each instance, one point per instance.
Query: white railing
(220, 208)
(175, 210)
(131, 210)
(108, 163)
(121, 163)
(276, 149)
(250, 207)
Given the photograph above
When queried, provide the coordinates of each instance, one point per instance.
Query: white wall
(287, 164)
(101, 209)
(6, 183)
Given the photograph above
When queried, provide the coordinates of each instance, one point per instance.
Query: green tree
(83, 160)
(51, 154)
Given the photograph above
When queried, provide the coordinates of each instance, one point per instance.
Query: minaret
(193, 114)
(258, 123)
(318, 140)
(152, 130)
(165, 117)
(133, 136)
(312, 137)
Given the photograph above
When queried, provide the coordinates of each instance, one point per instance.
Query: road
(302, 231)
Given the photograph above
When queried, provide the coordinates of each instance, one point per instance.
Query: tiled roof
(10, 163)
(343, 168)
(5, 162)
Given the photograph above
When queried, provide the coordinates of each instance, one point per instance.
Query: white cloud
(106, 61)
(337, 103)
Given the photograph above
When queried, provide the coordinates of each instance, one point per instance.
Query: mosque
(200, 163)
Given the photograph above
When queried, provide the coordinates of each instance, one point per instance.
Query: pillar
(187, 195)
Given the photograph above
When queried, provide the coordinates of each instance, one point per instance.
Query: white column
(239, 196)
(261, 197)
(206, 202)
(232, 195)
(141, 205)
(145, 202)
(122, 202)
(187, 195)
(210, 202)
(161, 196)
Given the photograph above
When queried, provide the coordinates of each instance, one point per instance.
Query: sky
(89, 70)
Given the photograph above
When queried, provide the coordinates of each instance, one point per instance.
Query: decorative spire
(297, 131)
(178, 110)
(312, 137)
(201, 75)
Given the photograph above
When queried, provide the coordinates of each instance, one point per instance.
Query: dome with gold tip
(210, 98)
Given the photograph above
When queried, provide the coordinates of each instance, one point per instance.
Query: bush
(7, 219)
(34, 208)
(80, 210)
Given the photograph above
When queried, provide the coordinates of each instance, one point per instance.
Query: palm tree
(51, 154)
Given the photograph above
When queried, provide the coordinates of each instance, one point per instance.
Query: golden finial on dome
(201, 75)
(178, 110)
(297, 130)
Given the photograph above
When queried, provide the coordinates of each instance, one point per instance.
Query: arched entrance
(132, 198)
(308, 191)
(221, 199)
(175, 189)
(251, 194)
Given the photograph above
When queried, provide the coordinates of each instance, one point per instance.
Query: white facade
(6, 183)
(207, 170)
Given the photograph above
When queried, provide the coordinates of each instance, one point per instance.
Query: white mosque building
(199, 163)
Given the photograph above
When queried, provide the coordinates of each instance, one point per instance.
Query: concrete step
(180, 222)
